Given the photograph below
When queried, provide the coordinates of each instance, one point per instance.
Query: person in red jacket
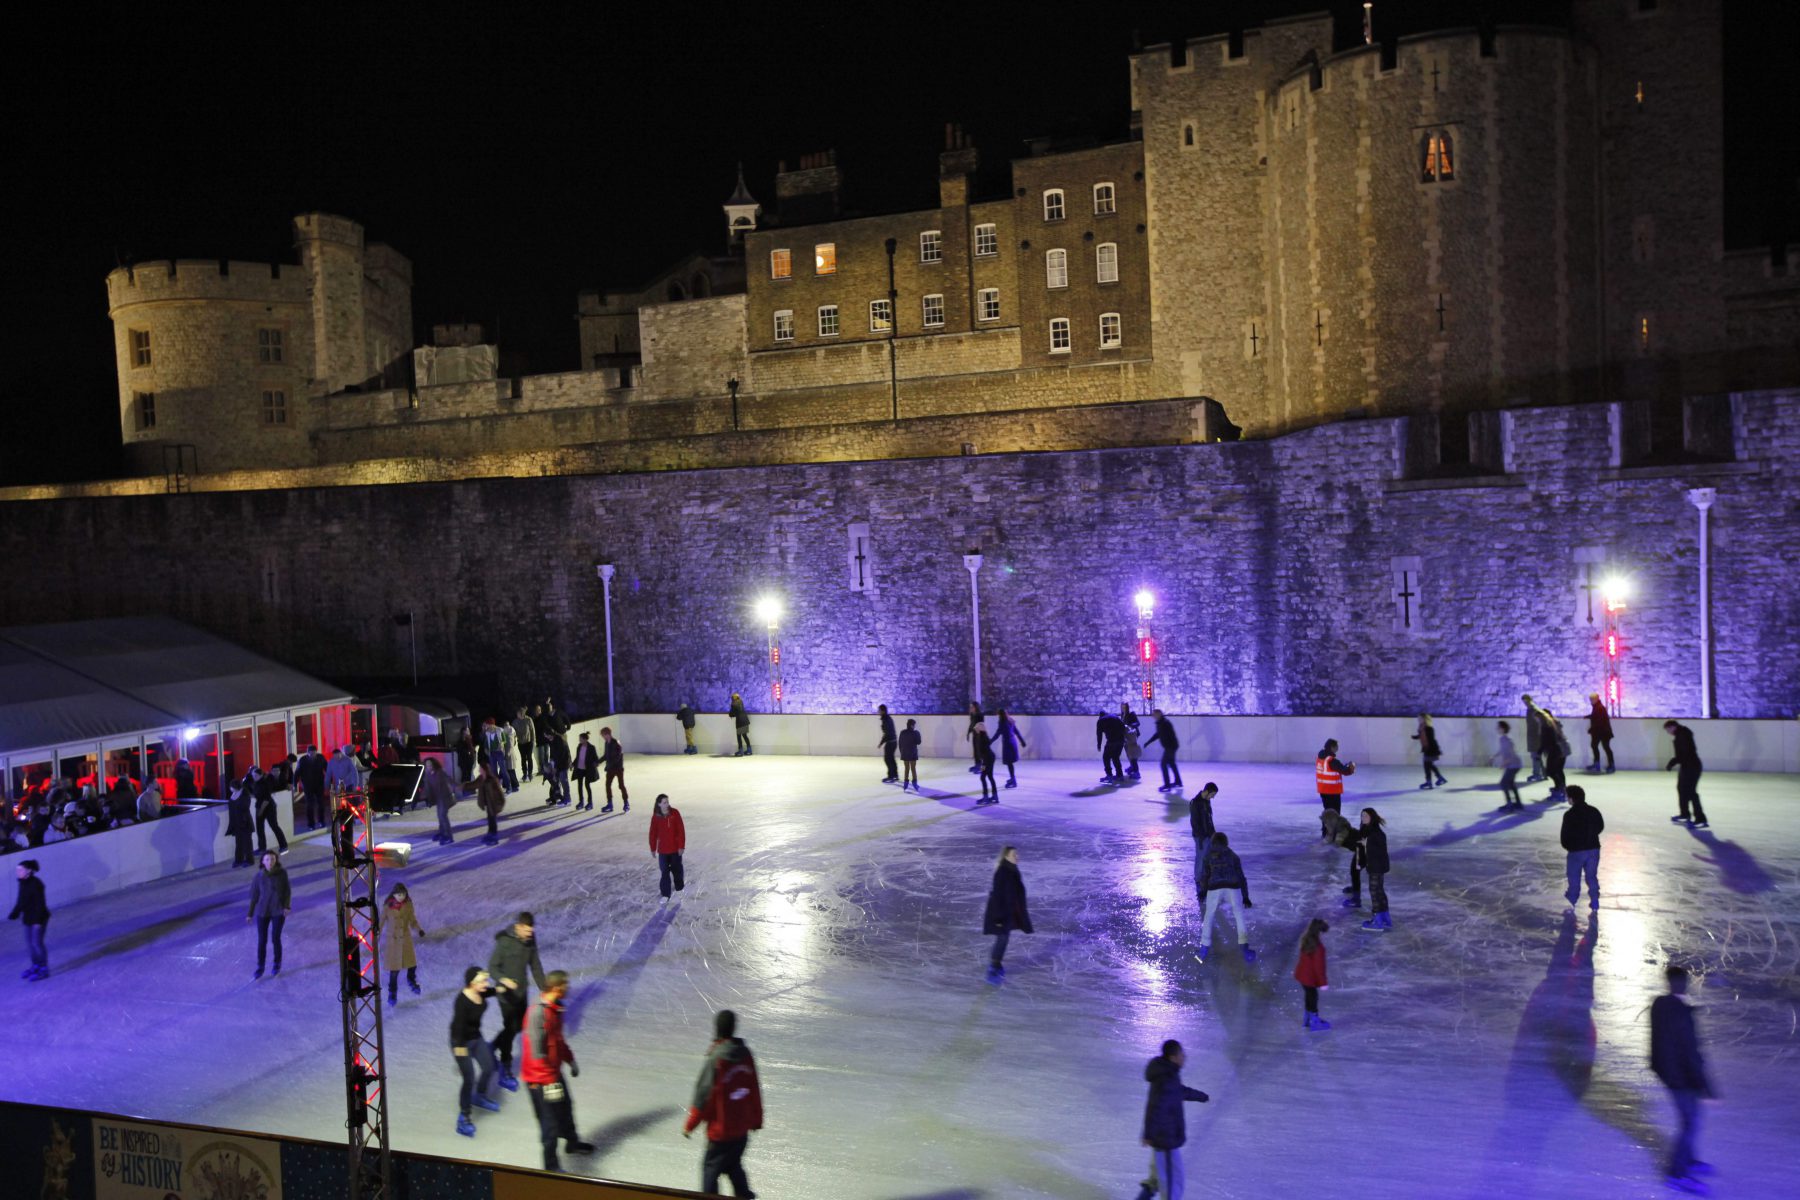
(729, 1100)
(668, 838)
(1310, 972)
(545, 1053)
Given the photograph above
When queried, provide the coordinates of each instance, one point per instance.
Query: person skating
(514, 965)
(1165, 1122)
(1507, 758)
(560, 758)
(728, 1100)
(1165, 734)
(1555, 749)
(271, 899)
(1341, 833)
(910, 738)
(469, 1049)
(525, 734)
(740, 720)
(1134, 749)
(1006, 910)
(586, 769)
(1429, 752)
(984, 765)
(1687, 779)
(33, 911)
(1600, 733)
(1534, 734)
(546, 1052)
(614, 756)
(1329, 771)
(309, 773)
(1012, 740)
(240, 821)
(1374, 851)
(1675, 1059)
(1109, 740)
(888, 744)
(1200, 819)
(1581, 828)
(976, 721)
(399, 921)
(1309, 972)
(668, 838)
(440, 793)
(685, 715)
(1222, 879)
(490, 798)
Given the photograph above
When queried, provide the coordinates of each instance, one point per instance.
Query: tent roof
(82, 680)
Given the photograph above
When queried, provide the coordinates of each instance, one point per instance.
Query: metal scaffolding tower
(359, 991)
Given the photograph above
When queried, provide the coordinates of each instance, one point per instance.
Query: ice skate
(1701, 824)
(1352, 901)
(506, 1078)
(414, 985)
(1688, 1184)
(392, 1001)
(1249, 954)
(276, 970)
(1012, 783)
(1677, 819)
(607, 807)
(1426, 786)
(484, 1102)
(580, 1147)
(996, 975)
(1378, 923)
(1316, 1023)
(1203, 952)
(465, 1126)
(258, 975)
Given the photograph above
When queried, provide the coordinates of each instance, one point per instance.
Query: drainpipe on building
(973, 563)
(1702, 499)
(606, 571)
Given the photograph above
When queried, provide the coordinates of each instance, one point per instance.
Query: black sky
(519, 154)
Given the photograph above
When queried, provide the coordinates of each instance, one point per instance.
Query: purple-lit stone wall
(1273, 562)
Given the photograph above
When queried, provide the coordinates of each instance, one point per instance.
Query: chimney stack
(812, 191)
(956, 168)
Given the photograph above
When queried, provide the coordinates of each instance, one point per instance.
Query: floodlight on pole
(1615, 590)
(1146, 643)
(768, 611)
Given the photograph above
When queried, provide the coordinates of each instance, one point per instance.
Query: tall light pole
(972, 563)
(1702, 499)
(605, 571)
(1146, 645)
(1614, 591)
(768, 611)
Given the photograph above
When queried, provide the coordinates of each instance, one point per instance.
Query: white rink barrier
(1639, 743)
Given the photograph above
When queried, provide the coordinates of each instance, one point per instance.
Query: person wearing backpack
(728, 1098)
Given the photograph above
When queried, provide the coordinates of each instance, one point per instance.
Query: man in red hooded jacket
(729, 1099)
(545, 1053)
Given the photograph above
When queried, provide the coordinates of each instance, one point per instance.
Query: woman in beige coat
(398, 924)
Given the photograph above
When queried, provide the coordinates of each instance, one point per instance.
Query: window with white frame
(825, 258)
(268, 346)
(987, 304)
(1106, 262)
(781, 264)
(931, 246)
(1112, 331)
(1056, 268)
(1053, 205)
(881, 316)
(1106, 200)
(987, 241)
(274, 406)
(784, 325)
(934, 311)
(828, 320)
(1059, 335)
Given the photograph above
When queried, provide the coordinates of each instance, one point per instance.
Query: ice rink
(1489, 1045)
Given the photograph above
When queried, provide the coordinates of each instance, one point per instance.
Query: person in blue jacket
(1165, 1122)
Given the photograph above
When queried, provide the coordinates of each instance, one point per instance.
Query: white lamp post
(1146, 645)
(1702, 499)
(768, 611)
(972, 562)
(605, 571)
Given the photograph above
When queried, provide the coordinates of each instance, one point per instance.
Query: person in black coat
(1429, 751)
(685, 714)
(1219, 876)
(268, 813)
(240, 821)
(1373, 851)
(1581, 828)
(1200, 818)
(1600, 733)
(1676, 1060)
(1109, 740)
(1165, 734)
(1165, 1122)
(984, 766)
(309, 773)
(184, 781)
(34, 911)
(270, 900)
(887, 743)
(1005, 910)
(1687, 779)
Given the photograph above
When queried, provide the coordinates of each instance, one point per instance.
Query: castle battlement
(205, 279)
(328, 227)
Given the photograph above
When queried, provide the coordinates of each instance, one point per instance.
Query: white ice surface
(1484, 1047)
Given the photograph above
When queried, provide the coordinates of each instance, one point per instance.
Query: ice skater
(1342, 834)
(514, 964)
(560, 759)
(240, 822)
(1555, 748)
(309, 773)
(1534, 735)
(271, 899)
(984, 766)
(1006, 910)
(268, 813)
(1581, 828)
(546, 1052)
(1330, 772)
(1309, 972)
(1134, 749)
(976, 721)
(398, 924)
(685, 715)
(1429, 752)
(615, 770)
(33, 911)
(1012, 740)
(490, 798)
(1165, 734)
(525, 735)
(668, 838)
(1600, 733)
(1109, 740)
(887, 743)
(740, 720)
(470, 1051)
(1222, 879)
(728, 1100)
(1675, 1058)
(1200, 819)
(586, 769)
(1687, 779)
(1372, 846)
(441, 794)
(1165, 1122)
(1507, 759)
(909, 755)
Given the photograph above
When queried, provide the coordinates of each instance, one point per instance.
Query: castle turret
(741, 211)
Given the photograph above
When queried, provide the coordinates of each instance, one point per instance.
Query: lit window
(1106, 262)
(934, 311)
(1643, 334)
(828, 320)
(784, 325)
(987, 240)
(1112, 332)
(781, 264)
(987, 304)
(881, 316)
(268, 345)
(1056, 268)
(1053, 205)
(1438, 163)
(143, 409)
(931, 246)
(1105, 200)
(274, 407)
(1059, 335)
(825, 258)
(140, 347)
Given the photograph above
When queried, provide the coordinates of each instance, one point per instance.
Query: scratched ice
(1487, 1046)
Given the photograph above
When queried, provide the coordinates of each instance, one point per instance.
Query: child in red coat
(1310, 971)
(668, 838)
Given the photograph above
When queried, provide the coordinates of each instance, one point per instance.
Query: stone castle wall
(1274, 562)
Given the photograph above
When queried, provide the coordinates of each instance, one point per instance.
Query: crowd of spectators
(55, 810)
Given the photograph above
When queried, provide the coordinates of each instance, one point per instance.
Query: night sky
(519, 155)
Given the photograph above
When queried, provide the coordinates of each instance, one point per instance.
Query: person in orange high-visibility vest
(1330, 772)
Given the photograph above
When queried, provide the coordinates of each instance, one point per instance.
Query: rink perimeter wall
(74, 1155)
